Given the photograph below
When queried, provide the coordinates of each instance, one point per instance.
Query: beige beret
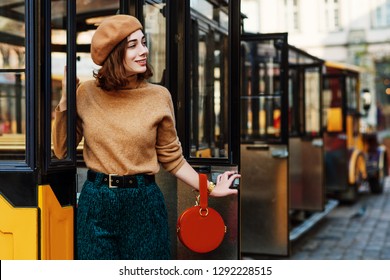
(110, 33)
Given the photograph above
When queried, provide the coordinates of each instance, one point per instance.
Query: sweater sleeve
(168, 146)
(59, 133)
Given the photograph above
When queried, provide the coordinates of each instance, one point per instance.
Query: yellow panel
(277, 118)
(18, 232)
(350, 136)
(204, 153)
(56, 226)
(262, 121)
(335, 120)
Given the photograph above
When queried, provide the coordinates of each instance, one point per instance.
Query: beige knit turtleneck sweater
(125, 132)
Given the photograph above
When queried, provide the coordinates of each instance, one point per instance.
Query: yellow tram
(192, 47)
(352, 157)
(302, 148)
(288, 106)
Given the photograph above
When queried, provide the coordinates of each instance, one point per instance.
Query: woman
(128, 127)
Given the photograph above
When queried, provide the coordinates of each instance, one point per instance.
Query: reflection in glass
(58, 53)
(312, 101)
(89, 14)
(264, 121)
(332, 104)
(203, 7)
(260, 91)
(12, 82)
(294, 100)
(209, 133)
(352, 93)
(155, 32)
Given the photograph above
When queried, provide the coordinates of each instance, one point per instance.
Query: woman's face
(136, 53)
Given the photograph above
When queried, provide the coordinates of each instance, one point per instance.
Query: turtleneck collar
(133, 82)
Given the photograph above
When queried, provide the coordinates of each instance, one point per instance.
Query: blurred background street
(350, 232)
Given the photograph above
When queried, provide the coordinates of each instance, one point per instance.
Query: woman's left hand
(224, 181)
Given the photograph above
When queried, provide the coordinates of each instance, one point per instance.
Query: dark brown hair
(112, 75)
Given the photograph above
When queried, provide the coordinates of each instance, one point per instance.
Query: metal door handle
(276, 153)
(264, 147)
(317, 143)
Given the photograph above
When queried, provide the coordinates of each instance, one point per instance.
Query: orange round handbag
(200, 228)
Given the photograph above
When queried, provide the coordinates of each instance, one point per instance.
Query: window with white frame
(292, 15)
(330, 15)
(380, 13)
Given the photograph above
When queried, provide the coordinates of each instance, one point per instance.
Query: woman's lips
(141, 62)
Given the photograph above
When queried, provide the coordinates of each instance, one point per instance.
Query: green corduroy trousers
(123, 223)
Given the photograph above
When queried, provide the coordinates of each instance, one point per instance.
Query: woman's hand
(189, 176)
(224, 181)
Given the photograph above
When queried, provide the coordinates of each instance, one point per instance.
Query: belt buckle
(110, 181)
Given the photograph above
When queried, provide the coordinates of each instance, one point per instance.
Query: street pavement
(360, 231)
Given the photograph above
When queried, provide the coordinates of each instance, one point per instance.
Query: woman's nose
(144, 50)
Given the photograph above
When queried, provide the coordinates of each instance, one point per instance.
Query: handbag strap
(203, 201)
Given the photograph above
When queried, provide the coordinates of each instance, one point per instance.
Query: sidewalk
(350, 232)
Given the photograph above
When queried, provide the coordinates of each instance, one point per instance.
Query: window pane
(203, 7)
(58, 50)
(155, 31)
(352, 92)
(312, 101)
(262, 115)
(260, 93)
(209, 133)
(12, 82)
(89, 15)
(332, 104)
(294, 101)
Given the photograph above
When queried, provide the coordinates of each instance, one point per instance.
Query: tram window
(312, 102)
(352, 93)
(262, 117)
(352, 105)
(260, 92)
(332, 104)
(203, 7)
(155, 31)
(58, 54)
(294, 103)
(86, 25)
(12, 82)
(209, 84)
(224, 19)
(212, 12)
(89, 15)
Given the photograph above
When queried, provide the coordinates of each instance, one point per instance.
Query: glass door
(18, 194)
(264, 144)
(30, 177)
(206, 105)
(306, 169)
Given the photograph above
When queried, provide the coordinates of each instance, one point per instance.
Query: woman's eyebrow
(135, 40)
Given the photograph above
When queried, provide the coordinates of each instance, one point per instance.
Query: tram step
(297, 231)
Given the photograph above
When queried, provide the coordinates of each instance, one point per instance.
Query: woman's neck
(133, 82)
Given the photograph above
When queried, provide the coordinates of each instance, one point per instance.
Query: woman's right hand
(224, 181)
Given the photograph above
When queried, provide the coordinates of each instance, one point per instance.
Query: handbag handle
(203, 201)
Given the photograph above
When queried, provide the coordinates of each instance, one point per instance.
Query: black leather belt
(117, 181)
